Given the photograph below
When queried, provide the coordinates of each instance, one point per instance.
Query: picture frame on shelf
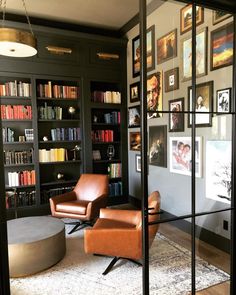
(158, 145)
(96, 155)
(203, 105)
(201, 55)
(134, 92)
(135, 141)
(167, 47)
(171, 78)
(218, 170)
(223, 101)
(176, 117)
(180, 155)
(221, 51)
(150, 52)
(134, 116)
(186, 18)
(154, 93)
(219, 15)
(138, 163)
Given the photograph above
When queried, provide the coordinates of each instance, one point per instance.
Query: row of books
(20, 178)
(57, 91)
(52, 155)
(102, 135)
(106, 96)
(112, 118)
(8, 134)
(20, 199)
(50, 112)
(58, 134)
(115, 189)
(18, 157)
(16, 112)
(47, 194)
(114, 170)
(15, 88)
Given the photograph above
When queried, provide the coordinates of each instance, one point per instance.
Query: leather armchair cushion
(103, 223)
(74, 207)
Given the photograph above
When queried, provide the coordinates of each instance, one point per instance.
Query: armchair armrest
(129, 216)
(94, 206)
(68, 196)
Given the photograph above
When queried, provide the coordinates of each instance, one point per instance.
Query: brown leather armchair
(118, 233)
(84, 202)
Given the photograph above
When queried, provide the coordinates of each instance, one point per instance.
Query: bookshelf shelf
(105, 125)
(61, 162)
(62, 182)
(20, 186)
(59, 141)
(59, 121)
(19, 143)
(102, 105)
(17, 120)
(57, 99)
(15, 97)
(19, 165)
(106, 161)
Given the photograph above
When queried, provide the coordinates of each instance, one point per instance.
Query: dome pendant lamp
(14, 42)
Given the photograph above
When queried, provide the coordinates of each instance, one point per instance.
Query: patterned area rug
(81, 274)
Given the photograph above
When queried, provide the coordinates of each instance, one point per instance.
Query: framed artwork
(134, 92)
(171, 79)
(203, 104)
(201, 55)
(222, 47)
(150, 52)
(218, 170)
(134, 116)
(158, 145)
(176, 117)
(180, 155)
(218, 16)
(135, 141)
(186, 18)
(154, 93)
(167, 47)
(138, 163)
(223, 98)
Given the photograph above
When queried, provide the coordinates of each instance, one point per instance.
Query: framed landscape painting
(167, 47)
(186, 18)
(150, 52)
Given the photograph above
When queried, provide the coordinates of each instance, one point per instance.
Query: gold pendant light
(14, 42)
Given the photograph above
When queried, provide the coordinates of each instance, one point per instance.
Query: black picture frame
(134, 117)
(158, 145)
(134, 92)
(223, 101)
(171, 78)
(176, 115)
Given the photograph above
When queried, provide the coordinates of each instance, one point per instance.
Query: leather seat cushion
(105, 223)
(74, 207)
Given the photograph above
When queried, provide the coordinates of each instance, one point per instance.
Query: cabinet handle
(58, 50)
(103, 55)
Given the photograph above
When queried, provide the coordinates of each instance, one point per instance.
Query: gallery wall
(175, 188)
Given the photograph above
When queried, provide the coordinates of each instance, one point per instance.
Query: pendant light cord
(3, 9)
(27, 16)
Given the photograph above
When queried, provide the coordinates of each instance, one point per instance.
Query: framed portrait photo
(134, 92)
(158, 145)
(171, 78)
(222, 47)
(150, 52)
(154, 93)
(186, 18)
(201, 55)
(135, 141)
(138, 163)
(203, 104)
(223, 98)
(134, 116)
(167, 47)
(176, 116)
(180, 155)
(218, 16)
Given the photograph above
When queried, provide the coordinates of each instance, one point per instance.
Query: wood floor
(211, 254)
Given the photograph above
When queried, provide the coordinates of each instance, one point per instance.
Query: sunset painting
(222, 47)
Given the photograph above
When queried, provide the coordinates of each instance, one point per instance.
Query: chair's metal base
(79, 225)
(114, 260)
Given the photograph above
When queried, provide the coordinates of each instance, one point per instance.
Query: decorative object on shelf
(158, 146)
(223, 99)
(71, 111)
(186, 18)
(58, 50)
(96, 155)
(45, 138)
(171, 79)
(76, 151)
(60, 176)
(176, 115)
(110, 151)
(167, 47)
(95, 119)
(21, 138)
(14, 42)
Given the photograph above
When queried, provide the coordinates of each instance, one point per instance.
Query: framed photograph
(186, 18)
(135, 141)
(218, 170)
(138, 163)
(201, 55)
(171, 80)
(176, 117)
(134, 116)
(203, 104)
(150, 52)
(218, 16)
(180, 155)
(154, 93)
(134, 92)
(158, 145)
(223, 98)
(222, 47)
(167, 47)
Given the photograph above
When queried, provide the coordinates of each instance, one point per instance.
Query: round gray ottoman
(34, 244)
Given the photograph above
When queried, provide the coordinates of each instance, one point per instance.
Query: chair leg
(112, 263)
(80, 225)
(134, 261)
